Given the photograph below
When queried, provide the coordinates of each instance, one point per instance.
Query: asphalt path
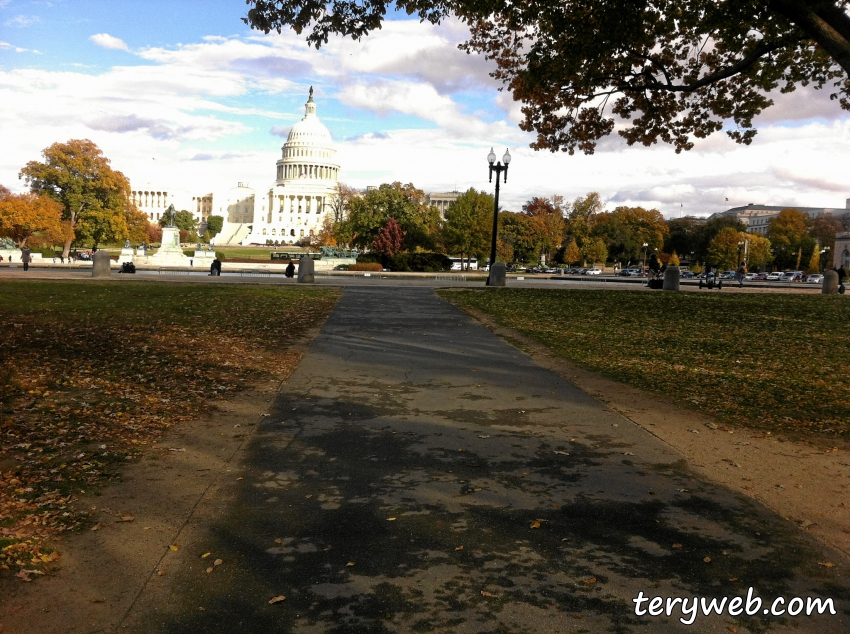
(418, 474)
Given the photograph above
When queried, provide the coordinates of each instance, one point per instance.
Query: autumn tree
(23, 216)
(546, 217)
(94, 197)
(759, 252)
(789, 235)
(572, 253)
(626, 229)
(340, 201)
(823, 229)
(390, 239)
(814, 261)
(468, 226)
(706, 231)
(4, 192)
(325, 237)
(656, 70)
(725, 250)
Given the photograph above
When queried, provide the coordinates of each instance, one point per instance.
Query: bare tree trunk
(66, 249)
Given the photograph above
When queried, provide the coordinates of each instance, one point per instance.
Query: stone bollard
(101, 264)
(671, 278)
(830, 283)
(306, 274)
(498, 275)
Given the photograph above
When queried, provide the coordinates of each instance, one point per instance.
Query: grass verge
(773, 362)
(92, 372)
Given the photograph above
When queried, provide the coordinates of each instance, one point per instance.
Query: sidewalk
(418, 474)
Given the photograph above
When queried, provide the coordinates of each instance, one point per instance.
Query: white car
(815, 278)
(773, 277)
(593, 272)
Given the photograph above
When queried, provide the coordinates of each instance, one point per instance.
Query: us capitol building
(294, 207)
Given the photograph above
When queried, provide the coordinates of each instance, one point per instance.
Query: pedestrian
(62, 259)
(742, 271)
(841, 275)
(191, 262)
(654, 265)
(290, 270)
(215, 268)
(26, 257)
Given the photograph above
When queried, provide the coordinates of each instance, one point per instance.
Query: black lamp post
(498, 168)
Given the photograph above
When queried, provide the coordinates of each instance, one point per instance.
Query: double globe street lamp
(499, 278)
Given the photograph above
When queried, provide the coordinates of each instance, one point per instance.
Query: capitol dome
(309, 151)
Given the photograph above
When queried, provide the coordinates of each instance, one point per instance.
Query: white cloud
(105, 40)
(22, 21)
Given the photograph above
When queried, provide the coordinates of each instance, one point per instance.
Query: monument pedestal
(126, 255)
(169, 253)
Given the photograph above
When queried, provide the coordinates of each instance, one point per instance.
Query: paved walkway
(420, 475)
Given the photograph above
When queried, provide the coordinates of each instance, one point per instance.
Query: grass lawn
(775, 362)
(91, 372)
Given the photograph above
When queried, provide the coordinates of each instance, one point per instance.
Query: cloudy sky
(181, 94)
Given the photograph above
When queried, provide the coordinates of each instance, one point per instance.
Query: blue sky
(183, 94)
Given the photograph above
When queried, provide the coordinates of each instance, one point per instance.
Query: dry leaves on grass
(103, 370)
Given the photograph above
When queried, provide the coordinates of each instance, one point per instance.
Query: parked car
(593, 271)
(686, 274)
(773, 277)
(728, 275)
(624, 272)
(791, 276)
(814, 278)
(759, 277)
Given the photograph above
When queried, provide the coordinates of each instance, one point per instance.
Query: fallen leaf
(209, 570)
(561, 453)
(278, 541)
(732, 629)
(205, 555)
(707, 560)
(484, 593)
(161, 572)
(126, 518)
(483, 436)
(591, 580)
(459, 548)
(462, 450)
(733, 579)
(350, 563)
(826, 564)
(240, 478)
(535, 524)
(96, 527)
(217, 562)
(174, 547)
(391, 519)
(309, 496)
(173, 449)
(277, 599)
(677, 545)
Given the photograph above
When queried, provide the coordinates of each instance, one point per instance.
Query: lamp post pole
(498, 168)
(645, 247)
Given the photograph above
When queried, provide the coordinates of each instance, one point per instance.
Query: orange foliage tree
(23, 216)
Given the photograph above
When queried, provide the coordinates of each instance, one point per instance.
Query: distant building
(842, 250)
(442, 201)
(757, 217)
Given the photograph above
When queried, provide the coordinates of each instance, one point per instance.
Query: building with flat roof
(757, 217)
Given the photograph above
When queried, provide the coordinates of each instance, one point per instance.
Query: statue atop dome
(311, 94)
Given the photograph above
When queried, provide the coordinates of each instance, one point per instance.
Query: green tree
(788, 233)
(823, 229)
(367, 214)
(595, 251)
(214, 225)
(468, 227)
(682, 235)
(94, 197)
(183, 220)
(581, 215)
(572, 253)
(662, 70)
(515, 233)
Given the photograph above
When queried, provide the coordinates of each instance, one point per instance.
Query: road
(418, 474)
